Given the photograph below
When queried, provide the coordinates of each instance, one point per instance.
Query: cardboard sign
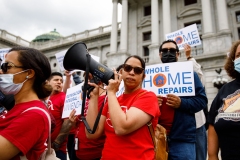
(187, 35)
(73, 100)
(170, 78)
(60, 57)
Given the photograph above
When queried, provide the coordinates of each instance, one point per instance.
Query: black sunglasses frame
(137, 70)
(4, 66)
(165, 50)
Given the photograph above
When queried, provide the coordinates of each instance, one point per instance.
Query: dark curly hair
(229, 65)
(33, 59)
(168, 41)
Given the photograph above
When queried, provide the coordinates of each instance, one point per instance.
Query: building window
(189, 2)
(238, 16)
(147, 36)
(238, 33)
(146, 54)
(145, 51)
(147, 11)
(198, 23)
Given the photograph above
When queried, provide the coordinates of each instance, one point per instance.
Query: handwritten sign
(170, 78)
(187, 35)
(73, 100)
(60, 57)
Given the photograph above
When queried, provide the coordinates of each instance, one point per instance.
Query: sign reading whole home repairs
(187, 35)
(170, 78)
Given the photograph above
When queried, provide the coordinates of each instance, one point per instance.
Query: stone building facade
(143, 27)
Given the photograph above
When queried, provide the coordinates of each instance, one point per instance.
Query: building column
(219, 42)
(115, 58)
(222, 15)
(153, 48)
(114, 31)
(124, 27)
(207, 18)
(166, 17)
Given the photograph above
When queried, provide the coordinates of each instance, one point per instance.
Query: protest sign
(120, 89)
(60, 57)
(187, 35)
(170, 78)
(3, 52)
(73, 100)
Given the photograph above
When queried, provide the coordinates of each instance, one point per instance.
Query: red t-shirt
(138, 144)
(56, 103)
(87, 148)
(167, 116)
(28, 131)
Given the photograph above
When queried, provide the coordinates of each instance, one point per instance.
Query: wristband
(189, 57)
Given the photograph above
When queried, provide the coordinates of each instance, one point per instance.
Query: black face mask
(168, 57)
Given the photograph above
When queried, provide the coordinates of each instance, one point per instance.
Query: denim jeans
(181, 150)
(61, 155)
(201, 143)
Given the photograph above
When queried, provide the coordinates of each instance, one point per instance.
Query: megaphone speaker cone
(76, 58)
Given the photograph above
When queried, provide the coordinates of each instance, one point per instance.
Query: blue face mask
(7, 86)
(237, 65)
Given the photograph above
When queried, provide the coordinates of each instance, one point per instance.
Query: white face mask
(7, 86)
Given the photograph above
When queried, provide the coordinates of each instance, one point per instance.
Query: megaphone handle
(85, 84)
(84, 100)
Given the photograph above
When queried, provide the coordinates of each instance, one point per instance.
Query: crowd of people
(26, 81)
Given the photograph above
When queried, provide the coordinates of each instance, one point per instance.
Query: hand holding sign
(173, 101)
(187, 50)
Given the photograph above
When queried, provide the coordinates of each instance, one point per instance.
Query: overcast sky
(30, 18)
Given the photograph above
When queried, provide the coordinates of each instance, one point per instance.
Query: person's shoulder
(62, 94)
(148, 93)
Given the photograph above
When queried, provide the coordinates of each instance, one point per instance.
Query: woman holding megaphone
(124, 119)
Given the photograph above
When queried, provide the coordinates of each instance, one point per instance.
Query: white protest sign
(120, 89)
(187, 35)
(73, 100)
(60, 57)
(170, 78)
(3, 52)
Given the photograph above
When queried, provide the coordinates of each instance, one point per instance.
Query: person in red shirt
(25, 72)
(63, 126)
(88, 149)
(124, 119)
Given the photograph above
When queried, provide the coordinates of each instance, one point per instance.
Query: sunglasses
(128, 68)
(9, 65)
(172, 50)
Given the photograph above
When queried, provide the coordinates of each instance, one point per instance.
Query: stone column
(207, 18)
(166, 17)
(124, 27)
(219, 42)
(114, 31)
(222, 15)
(153, 48)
